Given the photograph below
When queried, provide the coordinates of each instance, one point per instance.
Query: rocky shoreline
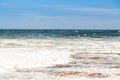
(82, 65)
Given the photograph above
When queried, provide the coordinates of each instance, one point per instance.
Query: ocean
(56, 33)
(38, 37)
(59, 54)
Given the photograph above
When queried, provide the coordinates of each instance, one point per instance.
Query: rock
(97, 75)
(118, 74)
(98, 58)
(68, 73)
(114, 67)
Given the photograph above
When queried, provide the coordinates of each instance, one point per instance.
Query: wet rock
(115, 67)
(96, 75)
(67, 73)
(117, 74)
(98, 58)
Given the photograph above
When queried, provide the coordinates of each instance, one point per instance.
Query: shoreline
(34, 62)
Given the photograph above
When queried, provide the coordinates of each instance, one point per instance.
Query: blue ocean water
(54, 33)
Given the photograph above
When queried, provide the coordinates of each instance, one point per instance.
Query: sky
(59, 14)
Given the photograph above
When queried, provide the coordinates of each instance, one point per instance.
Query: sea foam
(11, 58)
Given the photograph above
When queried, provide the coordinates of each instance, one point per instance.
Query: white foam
(11, 58)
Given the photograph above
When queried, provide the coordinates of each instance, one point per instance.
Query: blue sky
(60, 14)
